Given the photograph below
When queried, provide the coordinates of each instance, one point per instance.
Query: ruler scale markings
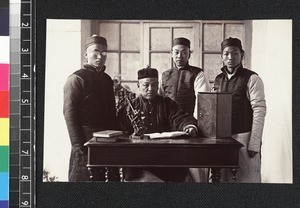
(21, 154)
(25, 107)
(14, 173)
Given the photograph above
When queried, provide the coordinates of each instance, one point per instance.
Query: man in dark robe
(159, 114)
(89, 106)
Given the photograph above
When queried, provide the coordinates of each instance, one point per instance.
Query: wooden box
(214, 114)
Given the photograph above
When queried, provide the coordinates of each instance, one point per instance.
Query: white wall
(63, 57)
(272, 60)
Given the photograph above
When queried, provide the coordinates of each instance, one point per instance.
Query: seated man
(159, 114)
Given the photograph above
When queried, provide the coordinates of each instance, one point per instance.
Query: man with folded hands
(159, 114)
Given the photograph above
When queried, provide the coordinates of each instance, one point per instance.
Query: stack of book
(107, 135)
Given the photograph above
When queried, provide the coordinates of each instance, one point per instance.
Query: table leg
(215, 175)
(121, 174)
(92, 173)
(97, 174)
(234, 172)
(112, 174)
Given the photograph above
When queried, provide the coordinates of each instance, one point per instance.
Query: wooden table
(184, 152)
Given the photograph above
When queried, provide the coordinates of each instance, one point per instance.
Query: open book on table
(166, 134)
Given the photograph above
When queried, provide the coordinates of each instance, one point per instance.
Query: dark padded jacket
(242, 113)
(89, 104)
(178, 84)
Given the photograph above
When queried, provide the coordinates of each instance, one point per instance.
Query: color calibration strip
(21, 122)
(4, 103)
(14, 175)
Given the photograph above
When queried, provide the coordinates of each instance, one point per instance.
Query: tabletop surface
(182, 141)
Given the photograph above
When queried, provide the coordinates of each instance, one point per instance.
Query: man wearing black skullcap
(89, 106)
(183, 82)
(160, 114)
(248, 110)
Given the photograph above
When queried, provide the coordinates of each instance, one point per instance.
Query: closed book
(107, 139)
(107, 133)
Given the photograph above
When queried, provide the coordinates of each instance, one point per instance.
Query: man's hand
(251, 153)
(190, 130)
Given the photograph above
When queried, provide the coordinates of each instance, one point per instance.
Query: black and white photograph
(182, 101)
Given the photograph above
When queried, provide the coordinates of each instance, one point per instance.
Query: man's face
(96, 55)
(181, 55)
(148, 87)
(232, 56)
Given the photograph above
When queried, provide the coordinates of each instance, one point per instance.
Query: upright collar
(90, 67)
(235, 71)
(183, 68)
(150, 101)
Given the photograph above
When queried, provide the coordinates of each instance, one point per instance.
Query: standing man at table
(248, 110)
(89, 106)
(182, 84)
(160, 114)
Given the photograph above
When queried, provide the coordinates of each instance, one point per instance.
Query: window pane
(235, 30)
(131, 85)
(160, 39)
(186, 33)
(130, 64)
(161, 61)
(112, 64)
(212, 65)
(130, 36)
(111, 32)
(212, 37)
